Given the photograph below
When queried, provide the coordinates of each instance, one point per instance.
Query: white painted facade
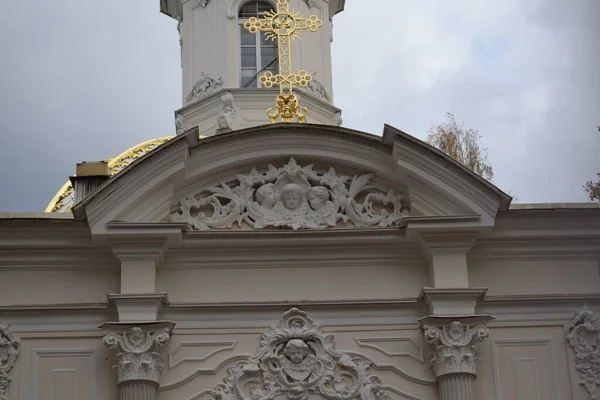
(450, 294)
(211, 62)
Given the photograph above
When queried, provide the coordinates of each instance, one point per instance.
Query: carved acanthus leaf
(584, 336)
(295, 359)
(9, 351)
(292, 196)
(205, 86)
(454, 347)
(137, 353)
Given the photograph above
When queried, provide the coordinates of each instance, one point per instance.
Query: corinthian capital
(454, 343)
(137, 347)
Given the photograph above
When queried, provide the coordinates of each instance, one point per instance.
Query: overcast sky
(85, 80)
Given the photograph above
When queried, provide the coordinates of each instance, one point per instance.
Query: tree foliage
(593, 188)
(462, 144)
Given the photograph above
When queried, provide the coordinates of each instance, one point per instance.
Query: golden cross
(284, 25)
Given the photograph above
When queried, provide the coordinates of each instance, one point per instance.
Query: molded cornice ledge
(456, 187)
(452, 301)
(138, 306)
(141, 241)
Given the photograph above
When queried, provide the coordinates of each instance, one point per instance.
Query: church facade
(242, 260)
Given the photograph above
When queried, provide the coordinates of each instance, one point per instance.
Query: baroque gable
(293, 177)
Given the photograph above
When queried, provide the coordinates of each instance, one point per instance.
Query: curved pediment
(296, 176)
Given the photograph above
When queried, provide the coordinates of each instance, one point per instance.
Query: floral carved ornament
(584, 336)
(295, 359)
(291, 196)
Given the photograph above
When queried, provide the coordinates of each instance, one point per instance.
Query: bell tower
(222, 63)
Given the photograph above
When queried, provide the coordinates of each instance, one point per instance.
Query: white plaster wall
(522, 277)
(57, 287)
(293, 283)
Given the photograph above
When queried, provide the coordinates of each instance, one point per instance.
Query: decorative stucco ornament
(291, 196)
(203, 3)
(180, 125)
(296, 359)
(205, 86)
(137, 353)
(226, 118)
(584, 336)
(9, 351)
(316, 88)
(455, 348)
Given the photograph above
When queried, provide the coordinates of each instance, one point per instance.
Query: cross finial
(284, 25)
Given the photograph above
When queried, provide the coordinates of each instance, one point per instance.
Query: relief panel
(524, 363)
(64, 369)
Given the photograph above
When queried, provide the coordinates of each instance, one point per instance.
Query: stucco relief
(316, 88)
(205, 86)
(9, 351)
(455, 348)
(584, 336)
(295, 359)
(291, 196)
(226, 118)
(137, 353)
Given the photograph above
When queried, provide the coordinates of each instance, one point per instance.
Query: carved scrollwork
(295, 358)
(137, 353)
(455, 348)
(584, 336)
(291, 196)
(9, 351)
(205, 86)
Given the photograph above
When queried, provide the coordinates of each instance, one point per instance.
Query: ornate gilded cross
(284, 25)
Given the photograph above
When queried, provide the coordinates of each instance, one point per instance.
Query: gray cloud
(86, 80)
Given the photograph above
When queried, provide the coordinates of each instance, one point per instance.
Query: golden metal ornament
(64, 199)
(284, 26)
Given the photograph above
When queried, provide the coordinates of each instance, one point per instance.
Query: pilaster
(447, 256)
(139, 363)
(454, 342)
(140, 249)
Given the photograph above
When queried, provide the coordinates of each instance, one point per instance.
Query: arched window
(257, 54)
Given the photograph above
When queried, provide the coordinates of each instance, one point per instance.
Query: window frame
(257, 46)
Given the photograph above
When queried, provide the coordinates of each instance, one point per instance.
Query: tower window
(257, 54)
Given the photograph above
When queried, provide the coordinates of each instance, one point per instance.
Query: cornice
(438, 164)
(36, 258)
(544, 247)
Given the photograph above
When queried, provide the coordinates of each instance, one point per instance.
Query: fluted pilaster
(139, 363)
(454, 341)
(142, 390)
(457, 387)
